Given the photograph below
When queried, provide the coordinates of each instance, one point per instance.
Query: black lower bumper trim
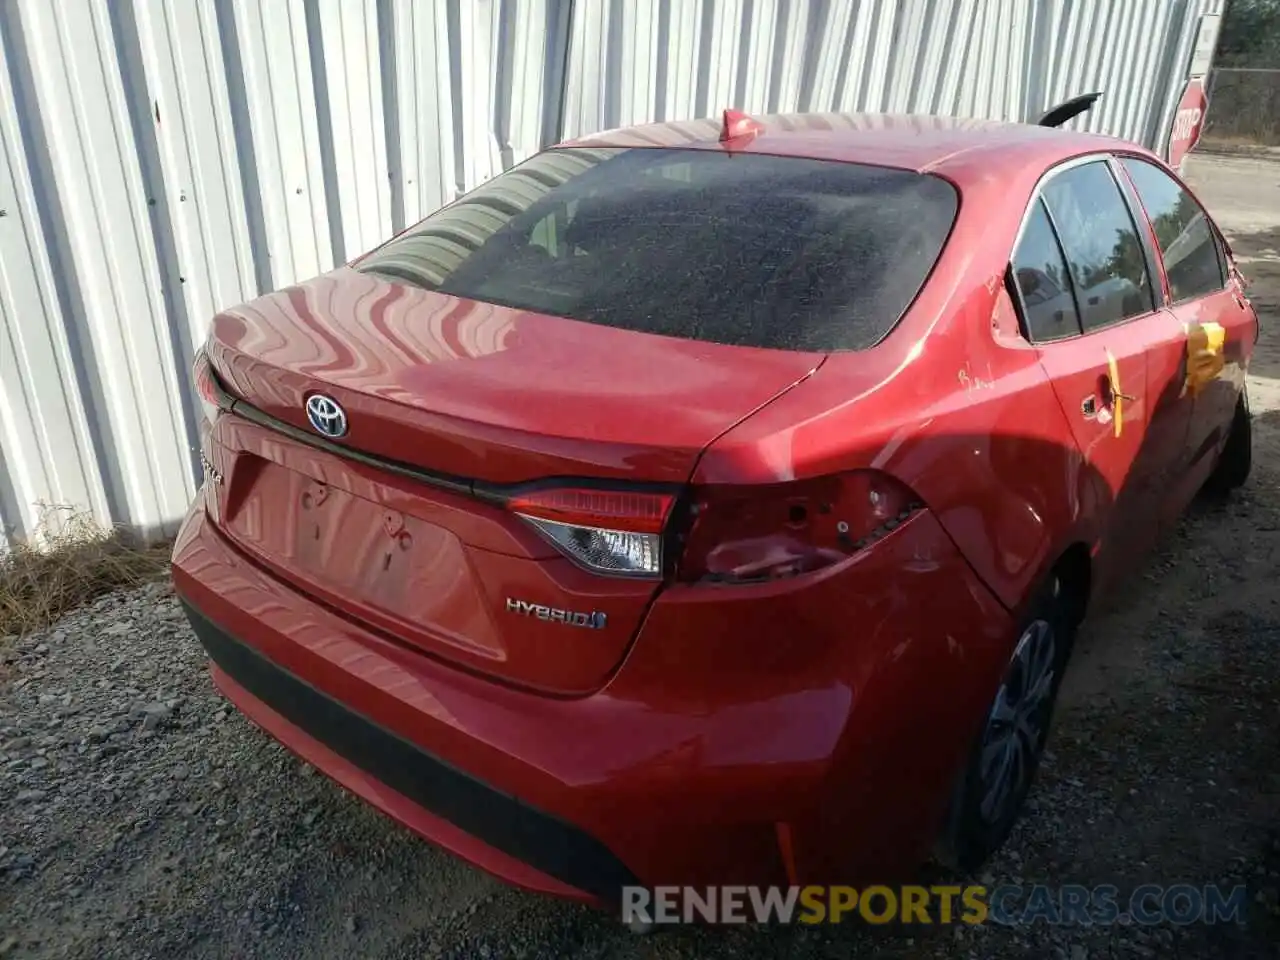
(546, 843)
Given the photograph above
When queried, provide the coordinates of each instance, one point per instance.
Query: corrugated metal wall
(160, 159)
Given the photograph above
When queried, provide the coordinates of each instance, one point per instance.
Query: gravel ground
(140, 816)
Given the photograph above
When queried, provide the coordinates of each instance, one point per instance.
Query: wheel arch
(1074, 568)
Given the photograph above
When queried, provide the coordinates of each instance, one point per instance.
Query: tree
(1250, 34)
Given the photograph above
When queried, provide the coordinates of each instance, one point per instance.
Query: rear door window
(1040, 272)
(1188, 246)
(745, 249)
(1106, 258)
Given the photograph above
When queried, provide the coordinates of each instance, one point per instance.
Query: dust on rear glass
(749, 250)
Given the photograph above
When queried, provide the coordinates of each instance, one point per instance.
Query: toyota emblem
(328, 418)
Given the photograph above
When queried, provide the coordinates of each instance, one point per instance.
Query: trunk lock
(393, 523)
(315, 494)
(393, 526)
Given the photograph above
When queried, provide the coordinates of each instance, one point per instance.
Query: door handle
(1110, 394)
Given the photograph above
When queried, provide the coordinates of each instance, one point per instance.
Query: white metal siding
(160, 160)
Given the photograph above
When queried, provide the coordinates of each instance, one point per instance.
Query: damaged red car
(714, 502)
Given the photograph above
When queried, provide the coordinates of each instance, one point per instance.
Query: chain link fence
(1244, 108)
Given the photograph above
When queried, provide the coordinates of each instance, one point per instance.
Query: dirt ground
(139, 817)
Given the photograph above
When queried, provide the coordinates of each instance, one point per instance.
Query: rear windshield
(740, 249)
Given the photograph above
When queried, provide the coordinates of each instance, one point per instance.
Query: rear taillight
(206, 387)
(748, 534)
(607, 531)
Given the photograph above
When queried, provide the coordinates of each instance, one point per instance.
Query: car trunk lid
(481, 391)
(465, 404)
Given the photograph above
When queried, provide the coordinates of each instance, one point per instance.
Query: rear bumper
(360, 754)
(767, 734)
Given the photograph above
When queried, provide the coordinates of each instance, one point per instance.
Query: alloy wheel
(1018, 722)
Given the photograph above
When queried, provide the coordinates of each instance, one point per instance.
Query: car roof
(944, 145)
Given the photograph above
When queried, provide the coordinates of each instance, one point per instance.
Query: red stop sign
(1187, 122)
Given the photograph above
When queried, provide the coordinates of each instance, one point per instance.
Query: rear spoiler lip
(1057, 115)
(494, 494)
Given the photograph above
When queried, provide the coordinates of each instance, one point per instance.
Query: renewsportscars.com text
(1009, 904)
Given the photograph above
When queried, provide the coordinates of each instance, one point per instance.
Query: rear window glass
(1186, 239)
(1047, 301)
(741, 249)
(1108, 264)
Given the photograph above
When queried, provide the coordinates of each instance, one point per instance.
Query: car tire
(1001, 767)
(1236, 459)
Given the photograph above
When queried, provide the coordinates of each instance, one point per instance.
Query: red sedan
(707, 504)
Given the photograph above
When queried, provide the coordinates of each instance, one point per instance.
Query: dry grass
(73, 561)
(1233, 142)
